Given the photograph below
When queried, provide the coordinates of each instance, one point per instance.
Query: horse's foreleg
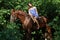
(28, 35)
(49, 34)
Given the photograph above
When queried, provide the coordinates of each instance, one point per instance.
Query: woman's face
(30, 5)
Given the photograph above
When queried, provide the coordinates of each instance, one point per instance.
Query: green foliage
(12, 31)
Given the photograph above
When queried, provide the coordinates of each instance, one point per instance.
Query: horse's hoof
(45, 39)
(37, 27)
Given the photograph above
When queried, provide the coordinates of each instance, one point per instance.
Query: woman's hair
(30, 4)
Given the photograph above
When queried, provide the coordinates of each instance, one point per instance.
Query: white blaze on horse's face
(14, 15)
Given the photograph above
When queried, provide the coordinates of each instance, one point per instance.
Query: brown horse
(29, 25)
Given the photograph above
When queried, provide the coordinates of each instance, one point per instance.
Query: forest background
(12, 31)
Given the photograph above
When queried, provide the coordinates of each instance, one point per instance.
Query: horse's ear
(13, 10)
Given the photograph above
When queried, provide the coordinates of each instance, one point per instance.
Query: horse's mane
(23, 13)
(19, 11)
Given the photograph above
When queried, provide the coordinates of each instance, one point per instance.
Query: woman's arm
(30, 14)
(36, 9)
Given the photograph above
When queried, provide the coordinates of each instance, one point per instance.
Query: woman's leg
(36, 22)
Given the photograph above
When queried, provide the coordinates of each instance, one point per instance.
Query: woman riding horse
(33, 13)
(28, 24)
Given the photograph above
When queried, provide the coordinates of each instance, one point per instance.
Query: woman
(33, 13)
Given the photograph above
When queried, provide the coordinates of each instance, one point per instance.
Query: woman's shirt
(33, 11)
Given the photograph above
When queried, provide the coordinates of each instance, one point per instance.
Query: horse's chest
(26, 21)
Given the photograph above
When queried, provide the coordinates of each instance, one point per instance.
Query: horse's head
(13, 15)
(18, 14)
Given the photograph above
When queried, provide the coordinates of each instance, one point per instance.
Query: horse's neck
(21, 18)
